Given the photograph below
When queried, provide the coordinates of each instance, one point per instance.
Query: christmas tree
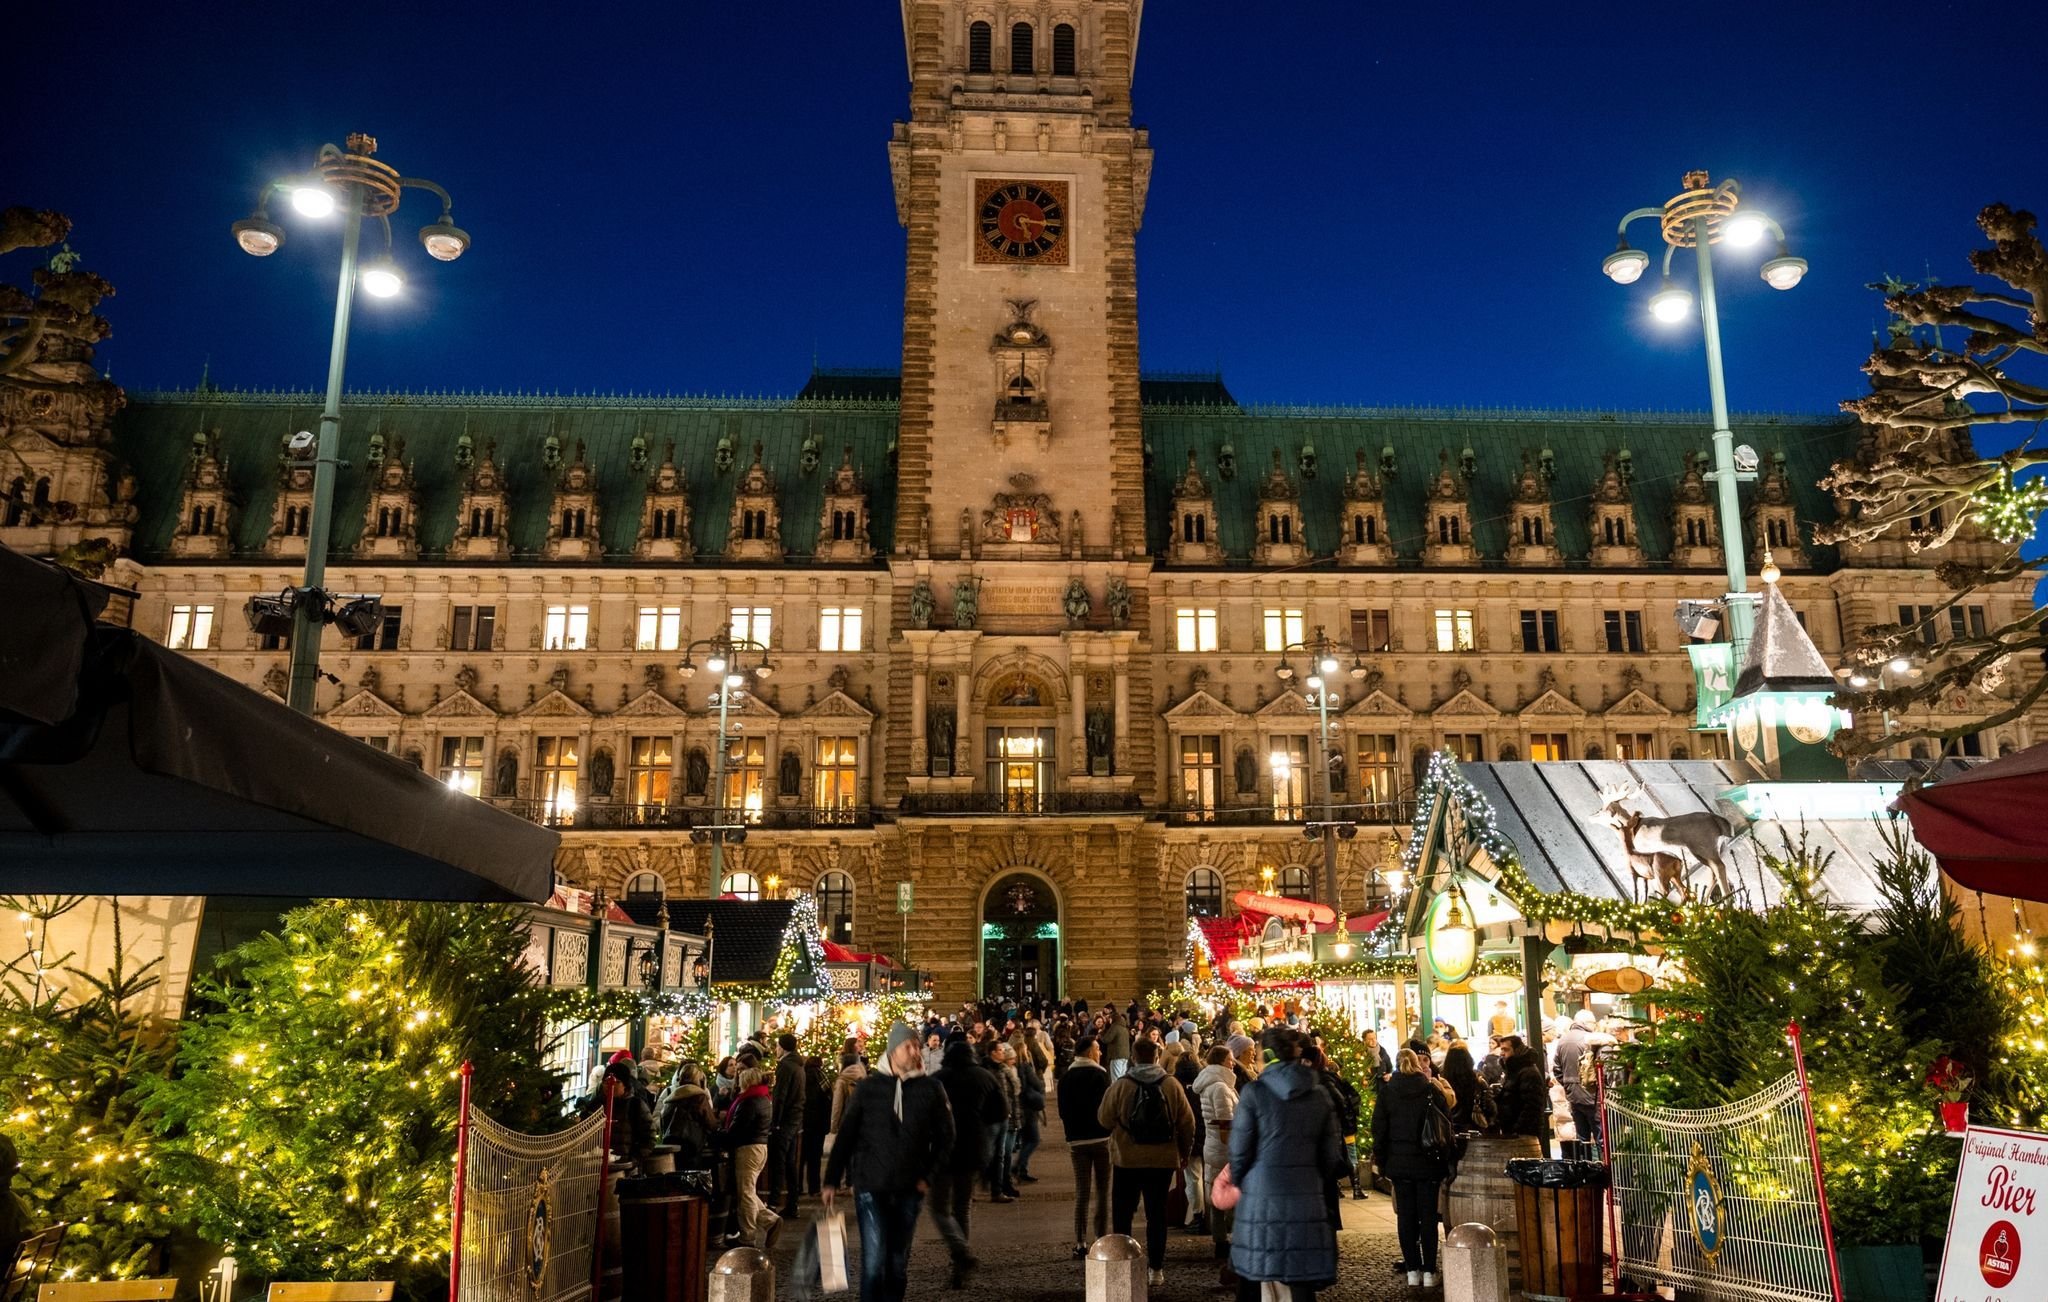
(71, 1047)
(309, 1125)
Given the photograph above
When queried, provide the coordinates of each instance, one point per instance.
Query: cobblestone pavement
(1025, 1248)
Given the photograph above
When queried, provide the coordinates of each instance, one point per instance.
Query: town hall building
(1035, 615)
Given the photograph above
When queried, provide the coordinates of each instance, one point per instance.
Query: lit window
(1194, 630)
(1205, 893)
(1454, 630)
(1379, 774)
(568, 628)
(1288, 758)
(836, 774)
(462, 764)
(555, 777)
(751, 624)
(835, 907)
(650, 762)
(1283, 629)
(191, 628)
(1201, 774)
(1020, 767)
(746, 777)
(839, 628)
(741, 886)
(1466, 747)
(1295, 883)
(661, 628)
(1548, 746)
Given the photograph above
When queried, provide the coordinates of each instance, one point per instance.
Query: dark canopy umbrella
(127, 769)
(1987, 828)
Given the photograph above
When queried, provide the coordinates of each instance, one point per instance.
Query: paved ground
(1025, 1248)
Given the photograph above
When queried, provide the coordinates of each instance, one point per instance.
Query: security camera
(1745, 458)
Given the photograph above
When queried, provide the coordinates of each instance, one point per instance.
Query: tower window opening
(978, 43)
(1063, 50)
(1020, 47)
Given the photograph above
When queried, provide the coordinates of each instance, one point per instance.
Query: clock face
(1020, 222)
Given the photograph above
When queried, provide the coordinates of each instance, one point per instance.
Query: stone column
(1077, 679)
(918, 677)
(1123, 707)
(962, 687)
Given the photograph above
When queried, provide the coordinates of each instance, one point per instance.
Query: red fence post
(1820, 1182)
(461, 1179)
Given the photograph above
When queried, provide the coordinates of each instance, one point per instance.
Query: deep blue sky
(1352, 203)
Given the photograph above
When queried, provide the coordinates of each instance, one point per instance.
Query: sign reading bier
(1998, 1225)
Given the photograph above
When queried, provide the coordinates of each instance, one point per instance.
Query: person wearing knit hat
(896, 1132)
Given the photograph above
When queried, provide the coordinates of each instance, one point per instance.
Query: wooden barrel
(1560, 1242)
(1482, 1191)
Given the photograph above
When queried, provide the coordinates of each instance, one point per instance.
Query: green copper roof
(1578, 441)
(154, 432)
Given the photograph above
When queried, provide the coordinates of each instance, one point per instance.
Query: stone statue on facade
(696, 772)
(1099, 739)
(940, 728)
(922, 604)
(1247, 771)
(789, 775)
(966, 602)
(507, 784)
(1076, 603)
(601, 774)
(1118, 599)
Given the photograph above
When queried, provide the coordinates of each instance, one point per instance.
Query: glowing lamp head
(1284, 672)
(1900, 665)
(1328, 665)
(1784, 271)
(735, 680)
(1625, 266)
(1314, 682)
(258, 235)
(1745, 229)
(1859, 680)
(313, 199)
(444, 241)
(764, 670)
(381, 279)
(1671, 304)
(1395, 879)
(716, 664)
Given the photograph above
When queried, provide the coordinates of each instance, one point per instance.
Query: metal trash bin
(1558, 1210)
(662, 1238)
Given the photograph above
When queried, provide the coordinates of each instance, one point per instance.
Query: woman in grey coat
(1284, 1145)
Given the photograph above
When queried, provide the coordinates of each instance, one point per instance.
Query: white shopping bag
(1273, 1290)
(832, 1252)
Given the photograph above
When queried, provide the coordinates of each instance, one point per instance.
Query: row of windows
(650, 772)
(1204, 889)
(834, 892)
(981, 49)
(563, 628)
(1196, 629)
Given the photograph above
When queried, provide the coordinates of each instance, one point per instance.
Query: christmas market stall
(619, 982)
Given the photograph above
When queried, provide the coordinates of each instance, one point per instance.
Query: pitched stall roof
(1781, 657)
(1547, 811)
(154, 432)
(1579, 442)
(746, 935)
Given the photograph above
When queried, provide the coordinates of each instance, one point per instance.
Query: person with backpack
(1151, 1133)
(1412, 1145)
(688, 1122)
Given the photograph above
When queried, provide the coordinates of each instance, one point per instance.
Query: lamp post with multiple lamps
(348, 180)
(1700, 216)
(734, 662)
(1325, 656)
(1885, 676)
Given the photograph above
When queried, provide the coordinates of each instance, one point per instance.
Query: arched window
(740, 885)
(1020, 47)
(1205, 893)
(978, 42)
(835, 907)
(646, 886)
(1295, 883)
(1063, 50)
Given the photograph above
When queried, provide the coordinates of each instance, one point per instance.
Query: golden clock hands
(1024, 224)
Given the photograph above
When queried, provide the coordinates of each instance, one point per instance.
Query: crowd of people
(1244, 1131)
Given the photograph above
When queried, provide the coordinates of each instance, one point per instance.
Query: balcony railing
(1398, 811)
(625, 817)
(943, 803)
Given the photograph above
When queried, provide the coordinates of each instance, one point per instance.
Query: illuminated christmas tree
(310, 1124)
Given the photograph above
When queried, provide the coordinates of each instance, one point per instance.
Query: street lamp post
(725, 657)
(1324, 655)
(1697, 218)
(347, 179)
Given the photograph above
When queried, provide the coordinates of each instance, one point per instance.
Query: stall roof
(746, 935)
(1548, 810)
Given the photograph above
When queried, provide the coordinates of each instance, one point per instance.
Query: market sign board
(1713, 675)
(1997, 1247)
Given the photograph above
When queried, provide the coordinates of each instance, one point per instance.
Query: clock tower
(1021, 182)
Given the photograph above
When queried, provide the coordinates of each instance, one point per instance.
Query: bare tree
(1919, 478)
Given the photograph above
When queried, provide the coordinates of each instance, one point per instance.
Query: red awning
(1985, 828)
(841, 954)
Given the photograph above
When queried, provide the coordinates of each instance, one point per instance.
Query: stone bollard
(1116, 1270)
(743, 1275)
(1475, 1265)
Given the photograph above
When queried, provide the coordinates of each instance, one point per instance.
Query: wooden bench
(374, 1291)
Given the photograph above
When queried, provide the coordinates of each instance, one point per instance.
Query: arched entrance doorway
(1020, 938)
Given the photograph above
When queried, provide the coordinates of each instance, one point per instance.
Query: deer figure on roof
(1645, 839)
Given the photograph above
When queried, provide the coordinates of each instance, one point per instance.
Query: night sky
(1351, 203)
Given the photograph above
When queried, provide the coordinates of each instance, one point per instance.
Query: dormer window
(1063, 50)
(1776, 534)
(1280, 528)
(1532, 531)
(979, 42)
(483, 520)
(1614, 531)
(390, 521)
(1194, 528)
(573, 522)
(1020, 48)
(1022, 392)
(1449, 530)
(1365, 529)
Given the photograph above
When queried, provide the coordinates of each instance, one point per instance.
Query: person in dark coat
(817, 1121)
(1081, 1094)
(632, 1119)
(1459, 1074)
(1524, 1097)
(1284, 1146)
(785, 1148)
(1418, 1174)
(895, 1137)
(976, 1103)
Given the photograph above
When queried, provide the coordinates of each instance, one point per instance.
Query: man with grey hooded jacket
(1215, 1088)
